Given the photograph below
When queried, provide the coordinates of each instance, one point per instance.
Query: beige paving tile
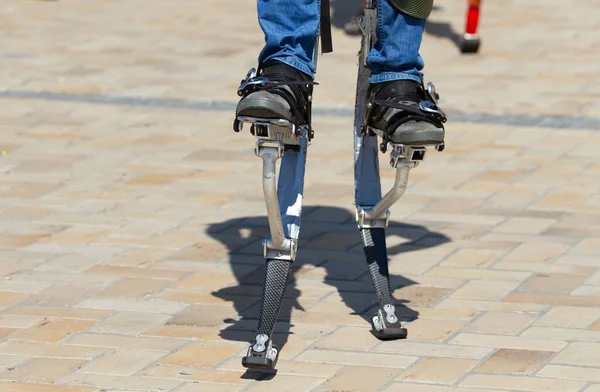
(42, 370)
(37, 312)
(61, 295)
(356, 358)
(524, 225)
(515, 361)
(438, 370)
(210, 386)
(121, 362)
(562, 334)
(552, 283)
(434, 349)
(481, 274)
(287, 384)
(551, 299)
(533, 384)
(570, 373)
(513, 342)
(502, 323)
(472, 258)
(568, 317)
(433, 330)
(53, 331)
(583, 354)
(201, 355)
(409, 387)
(483, 289)
(101, 381)
(24, 387)
(46, 350)
(358, 379)
(133, 288)
(129, 342)
(537, 252)
(130, 323)
(349, 338)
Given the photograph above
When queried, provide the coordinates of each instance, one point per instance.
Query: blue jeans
(291, 28)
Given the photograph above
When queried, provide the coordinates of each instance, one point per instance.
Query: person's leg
(395, 55)
(287, 59)
(397, 90)
(290, 28)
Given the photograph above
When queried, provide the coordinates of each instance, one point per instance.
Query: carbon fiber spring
(376, 255)
(277, 277)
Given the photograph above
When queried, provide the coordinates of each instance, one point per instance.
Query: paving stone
(133, 288)
(524, 225)
(61, 295)
(19, 387)
(224, 375)
(554, 283)
(433, 330)
(121, 362)
(537, 252)
(46, 350)
(349, 338)
(584, 354)
(52, 331)
(501, 323)
(287, 384)
(472, 258)
(562, 334)
(42, 370)
(482, 289)
(508, 342)
(100, 381)
(438, 370)
(521, 383)
(129, 323)
(210, 386)
(12, 321)
(117, 341)
(356, 358)
(570, 373)
(551, 299)
(133, 305)
(202, 316)
(515, 361)
(201, 355)
(10, 361)
(409, 387)
(357, 378)
(38, 312)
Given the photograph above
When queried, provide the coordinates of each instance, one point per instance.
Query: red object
(473, 17)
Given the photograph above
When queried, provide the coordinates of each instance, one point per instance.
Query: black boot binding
(278, 93)
(405, 112)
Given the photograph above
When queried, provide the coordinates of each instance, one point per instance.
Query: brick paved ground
(130, 235)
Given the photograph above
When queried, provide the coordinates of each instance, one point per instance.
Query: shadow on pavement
(343, 266)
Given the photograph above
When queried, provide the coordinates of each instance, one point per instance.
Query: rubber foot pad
(470, 45)
(390, 333)
(260, 361)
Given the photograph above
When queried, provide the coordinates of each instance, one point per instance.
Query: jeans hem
(389, 76)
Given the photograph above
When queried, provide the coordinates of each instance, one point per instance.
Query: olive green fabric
(416, 8)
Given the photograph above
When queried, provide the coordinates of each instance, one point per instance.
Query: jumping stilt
(372, 210)
(277, 139)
